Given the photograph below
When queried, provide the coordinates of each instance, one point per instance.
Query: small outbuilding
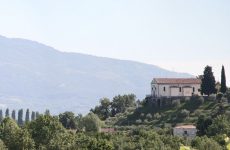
(107, 130)
(185, 131)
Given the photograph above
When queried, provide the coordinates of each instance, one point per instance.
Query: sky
(178, 35)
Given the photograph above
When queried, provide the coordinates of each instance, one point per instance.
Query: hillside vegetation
(181, 111)
(126, 110)
(138, 125)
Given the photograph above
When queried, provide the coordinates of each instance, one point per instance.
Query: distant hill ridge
(36, 76)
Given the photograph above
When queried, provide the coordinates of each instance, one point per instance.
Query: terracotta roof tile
(186, 127)
(177, 80)
(107, 130)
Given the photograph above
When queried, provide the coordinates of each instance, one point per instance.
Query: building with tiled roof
(185, 131)
(175, 87)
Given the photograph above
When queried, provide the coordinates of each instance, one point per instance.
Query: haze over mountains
(36, 76)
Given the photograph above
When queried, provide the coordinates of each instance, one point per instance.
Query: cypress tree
(37, 115)
(20, 117)
(7, 113)
(33, 116)
(13, 115)
(208, 85)
(47, 112)
(223, 87)
(1, 116)
(27, 119)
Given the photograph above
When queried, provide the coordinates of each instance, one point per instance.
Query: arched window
(193, 89)
(164, 89)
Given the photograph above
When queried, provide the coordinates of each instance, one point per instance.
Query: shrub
(227, 114)
(220, 138)
(197, 100)
(203, 124)
(224, 99)
(176, 103)
(212, 97)
(139, 121)
(184, 113)
(91, 123)
(146, 121)
(220, 125)
(61, 141)
(219, 96)
(187, 99)
(194, 103)
(184, 99)
(200, 100)
(157, 116)
(205, 143)
(227, 95)
(197, 112)
(149, 116)
(142, 115)
(2, 145)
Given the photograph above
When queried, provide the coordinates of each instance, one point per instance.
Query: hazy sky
(179, 35)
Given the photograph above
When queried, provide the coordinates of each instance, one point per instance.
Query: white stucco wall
(191, 133)
(174, 89)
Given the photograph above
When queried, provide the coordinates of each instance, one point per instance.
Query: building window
(185, 133)
(164, 89)
(180, 89)
(193, 89)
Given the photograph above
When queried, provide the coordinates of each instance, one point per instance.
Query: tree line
(47, 133)
(19, 117)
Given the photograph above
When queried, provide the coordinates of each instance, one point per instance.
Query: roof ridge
(177, 80)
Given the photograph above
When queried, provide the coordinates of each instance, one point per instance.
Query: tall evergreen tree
(223, 87)
(7, 113)
(1, 116)
(37, 115)
(20, 117)
(27, 119)
(208, 85)
(47, 112)
(33, 116)
(13, 115)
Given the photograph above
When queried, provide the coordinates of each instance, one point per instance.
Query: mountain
(36, 76)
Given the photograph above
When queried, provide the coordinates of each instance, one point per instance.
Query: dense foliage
(119, 104)
(46, 132)
(69, 132)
